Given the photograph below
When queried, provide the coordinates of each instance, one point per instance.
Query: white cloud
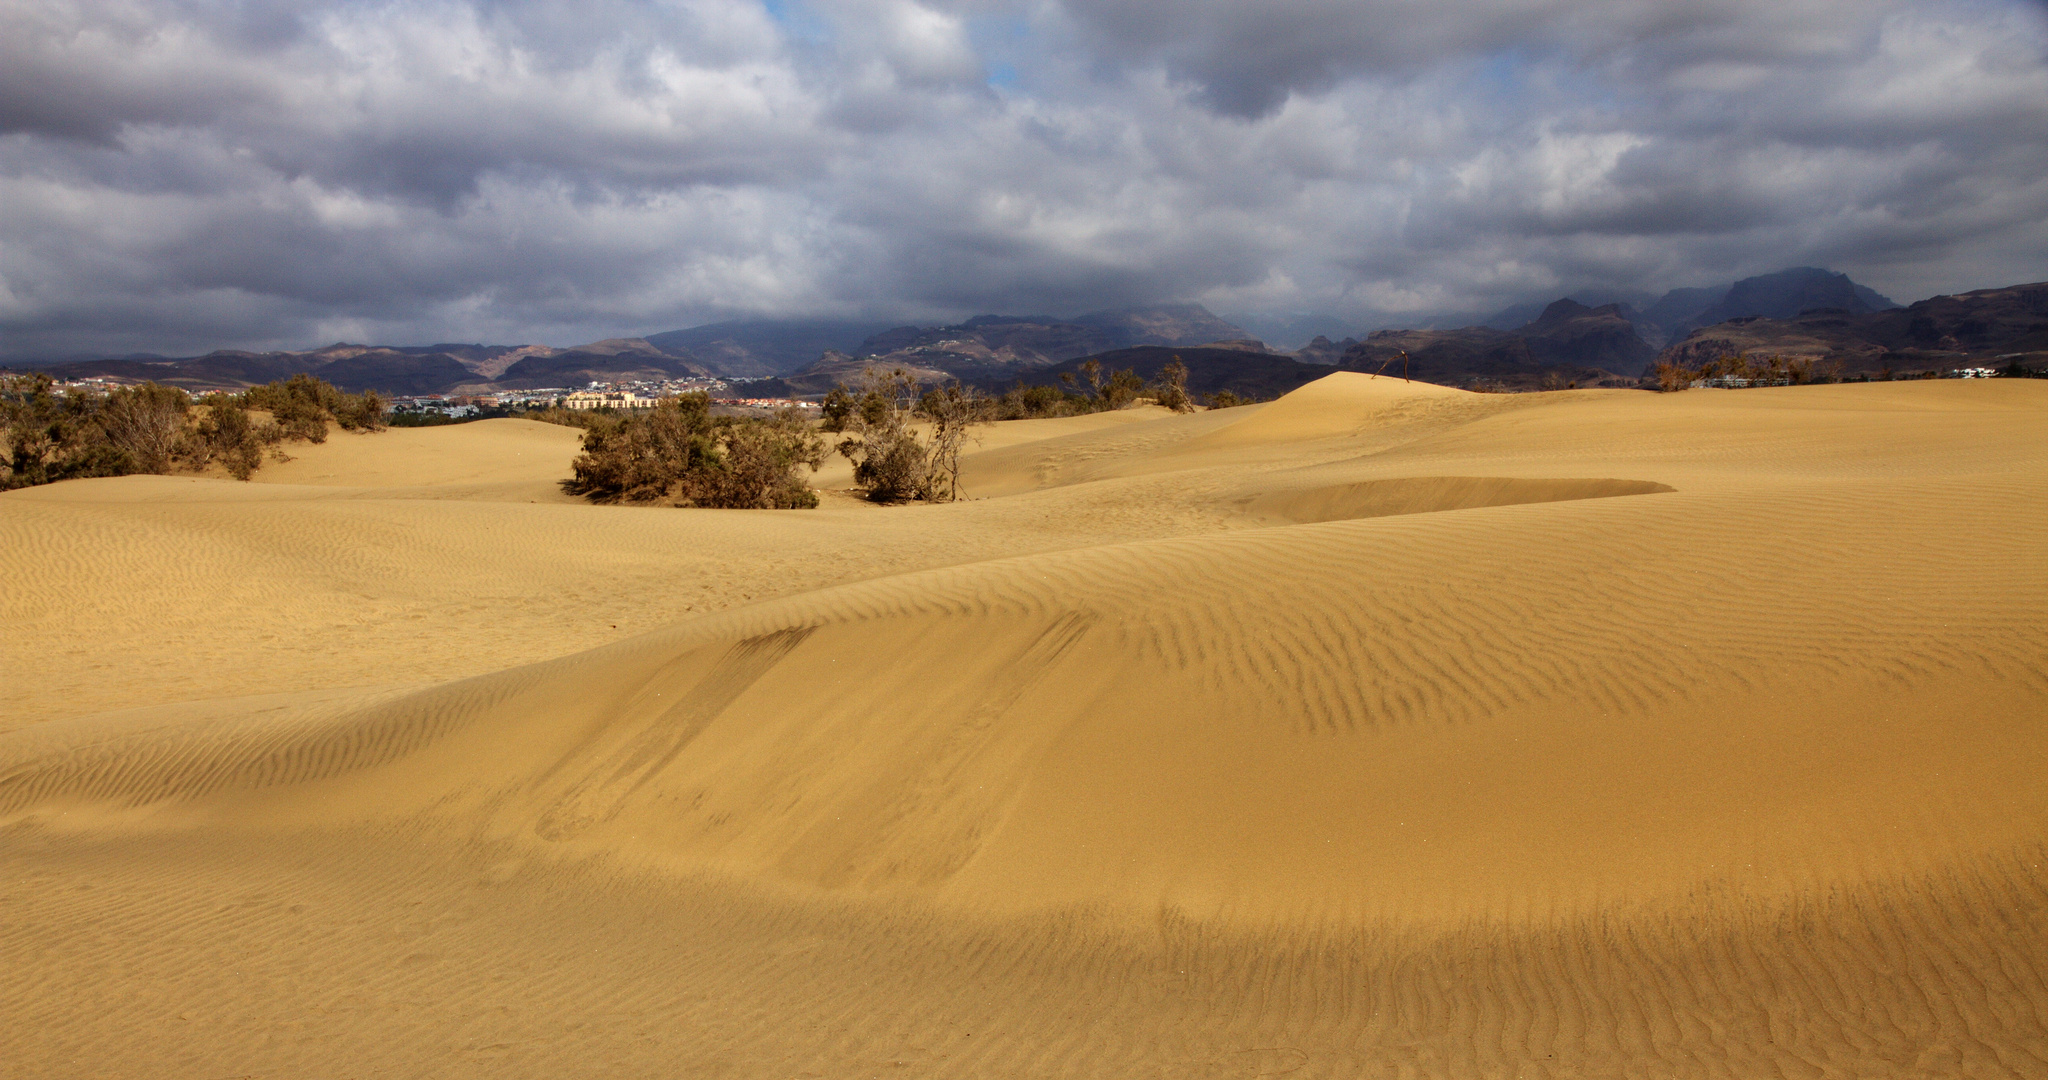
(180, 175)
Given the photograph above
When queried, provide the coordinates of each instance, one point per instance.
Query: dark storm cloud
(182, 175)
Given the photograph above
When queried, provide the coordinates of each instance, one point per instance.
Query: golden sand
(1383, 730)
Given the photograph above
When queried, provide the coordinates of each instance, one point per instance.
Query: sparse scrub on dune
(1039, 402)
(73, 434)
(228, 436)
(953, 411)
(892, 460)
(1102, 391)
(1171, 388)
(1741, 370)
(55, 436)
(147, 423)
(555, 414)
(302, 405)
(678, 452)
(1116, 389)
(1122, 389)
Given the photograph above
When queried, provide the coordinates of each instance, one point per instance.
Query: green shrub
(1122, 389)
(1171, 388)
(52, 436)
(228, 435)
(679, 452)
(302, 405)
(891, 461)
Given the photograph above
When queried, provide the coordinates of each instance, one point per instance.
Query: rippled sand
(1383, 730)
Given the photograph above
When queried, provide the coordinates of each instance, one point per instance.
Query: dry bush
(154, 429)
(148, 423)
(228, 435)
(52, 436)
(1121, 390)
(1171, 388)
(302, 405)
(757, 469)
(1035, 402)
(642, 457)
(890, 461)
(954, 411)
(1673, 377)
(679, 452)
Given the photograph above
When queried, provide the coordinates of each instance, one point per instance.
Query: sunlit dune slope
(350, 567)
(514, 460)
(1239, 721)
(1445, 714)
(1423, 734)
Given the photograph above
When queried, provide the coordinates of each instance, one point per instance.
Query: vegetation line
(50, 436)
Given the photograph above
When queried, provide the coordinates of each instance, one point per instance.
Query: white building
(608, 399)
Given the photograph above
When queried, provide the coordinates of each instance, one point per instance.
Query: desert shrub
(1037, 402)
(226, 434)
(149, 428)
(677, 451)
(302, 405)
(1742, 369)
(953, 410)
(47, 432)
(1091, 369)
(891, 462)
(836, 409)
(2017, 370)
(1121, 390)
(555, 414)
(361, 412)
(644, 456)
(53, 436)
(147, 423)
(892, 467)
(758, 469)
(298, 405)
(1226, 399)
(1673, 377)
(1171, 388)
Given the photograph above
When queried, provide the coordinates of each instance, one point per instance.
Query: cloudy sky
(181, 175)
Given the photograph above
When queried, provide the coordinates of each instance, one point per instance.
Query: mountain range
(1985, 328)
(1803, 311)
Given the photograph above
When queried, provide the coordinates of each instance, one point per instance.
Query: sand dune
(514, 460)
(1380, 730)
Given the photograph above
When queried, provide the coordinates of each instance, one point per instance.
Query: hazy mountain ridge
(1801, 311)
(1981, 328)
(1571, 341)
(999, 349)
(757, 348)
(437, 369)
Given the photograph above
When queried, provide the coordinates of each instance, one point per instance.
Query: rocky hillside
(1989, 327)
(1568, 343)
(435, 369)
(1000, 349)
